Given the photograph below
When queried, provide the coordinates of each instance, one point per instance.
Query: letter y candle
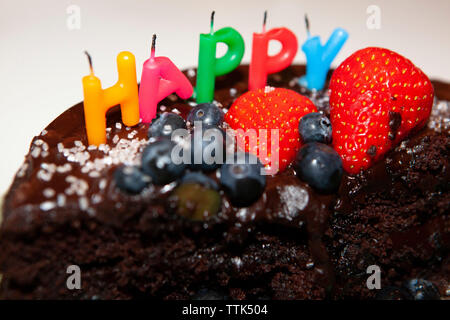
(319, 57)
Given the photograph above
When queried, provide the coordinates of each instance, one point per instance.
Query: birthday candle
(160, 78)
(98, 101)
(319, 57)
(262, 64)
(209, 67)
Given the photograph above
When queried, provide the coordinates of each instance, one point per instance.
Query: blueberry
(421, 289)
(315, 127)
(208, 294)
(195, 201)
(320, 166)
(158, 164)
(165, 125)
(200, 178)
(207, 148)
(242, 180)
(207, 113)
(392, 293)
(131, 179)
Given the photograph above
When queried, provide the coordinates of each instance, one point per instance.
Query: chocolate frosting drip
(287, 200)
(62, 180)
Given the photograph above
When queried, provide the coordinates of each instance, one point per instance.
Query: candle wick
(212, 21)
(89, 61)
(152, 54)
(264, 21)
(307, 25)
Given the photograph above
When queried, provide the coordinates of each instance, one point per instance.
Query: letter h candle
(98, 101)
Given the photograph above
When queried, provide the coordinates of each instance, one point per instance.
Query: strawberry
(270, 108)
(377, 98)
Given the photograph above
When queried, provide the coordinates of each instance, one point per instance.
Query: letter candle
(98, 101)
(160, 78)
(209, 67)
(319, 57)
(262, 64)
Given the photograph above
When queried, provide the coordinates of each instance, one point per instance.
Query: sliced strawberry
(270, 108)
(377, 98)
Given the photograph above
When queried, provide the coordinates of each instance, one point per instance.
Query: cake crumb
(36, 152)
(61, 200)
(48, 192)
(94, 174)
(102, 184)
(83, 203)
(22, 170)
(46, 172)
(96, 198)
(47, 205)
(64, 168)
(38, 142)
(76, 186)
(237, 262)
(439, 120)
(242, 214)
(293, 82)
(295, 199)
(268, 89)
(191, 73)
(217, 103)
(45, 146)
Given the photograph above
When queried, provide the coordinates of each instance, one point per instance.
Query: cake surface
(64, 208)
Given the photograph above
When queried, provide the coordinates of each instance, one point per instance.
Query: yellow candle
(98, 101)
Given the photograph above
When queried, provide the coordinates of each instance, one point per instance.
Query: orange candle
(98, 101)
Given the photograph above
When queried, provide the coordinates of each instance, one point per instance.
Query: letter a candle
(262, 64)
(160, 78)
(98, 101)
(209, 67)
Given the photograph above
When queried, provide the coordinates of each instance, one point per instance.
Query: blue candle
(319, 57)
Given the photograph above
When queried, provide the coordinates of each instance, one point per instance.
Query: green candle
(209, 67)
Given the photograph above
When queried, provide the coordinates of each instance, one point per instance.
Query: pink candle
(160, 78)
(262, 64)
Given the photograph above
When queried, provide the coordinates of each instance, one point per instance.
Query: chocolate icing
(68, 129)
(43, 197)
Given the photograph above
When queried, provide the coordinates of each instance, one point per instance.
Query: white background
(42, 61)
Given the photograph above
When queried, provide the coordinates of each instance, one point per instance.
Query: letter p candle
(209, 67)
(262, 64)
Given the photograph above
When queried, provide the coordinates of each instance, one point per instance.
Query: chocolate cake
(64, 208)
